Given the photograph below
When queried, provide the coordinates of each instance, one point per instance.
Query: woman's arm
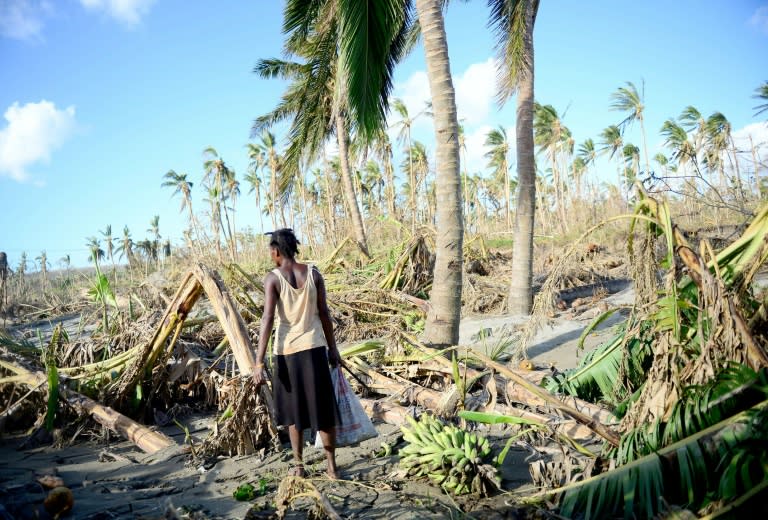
(271, 293)
(325, 319)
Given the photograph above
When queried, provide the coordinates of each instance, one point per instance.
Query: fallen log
(395, 414)
(147, 440)
(516, 393)
(534, 391)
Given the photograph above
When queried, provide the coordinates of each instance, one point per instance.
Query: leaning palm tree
(761, 93)
(628, 100)
(497, 155)
(513, 22)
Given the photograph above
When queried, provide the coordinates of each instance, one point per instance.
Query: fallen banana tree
(146, 439)
(681, 372)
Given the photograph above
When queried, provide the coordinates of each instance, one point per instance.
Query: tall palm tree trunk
(520, 295)
(349, 187)
(442, 326)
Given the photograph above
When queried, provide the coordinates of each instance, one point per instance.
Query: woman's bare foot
(334, 474)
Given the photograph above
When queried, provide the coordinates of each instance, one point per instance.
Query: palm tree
(719, 142)
(404, 139)
(265, 154)
(372, 37)
(383, 149)
(109, 244)
(513, 21)
(316, 100)
(97, 253)
(180, 185)
(125, 248)
(676, 139)
(442, 326)
(587, 154)
(220, 177)
(417, 162)
(497, 156)
(552, 136)
(257, 161)
(154, 230)
(631, 154)
(611, 143)
(66, 263)
(627, 99)
(761, 93)
(44, 264)
(232, 189)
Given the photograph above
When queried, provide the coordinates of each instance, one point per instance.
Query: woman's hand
(259, 376)
(334, 358)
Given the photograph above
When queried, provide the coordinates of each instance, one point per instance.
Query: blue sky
(102, 97)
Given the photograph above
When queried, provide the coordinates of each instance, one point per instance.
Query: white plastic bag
(355, 425)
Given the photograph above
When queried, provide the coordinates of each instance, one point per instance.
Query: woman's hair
(284, 241)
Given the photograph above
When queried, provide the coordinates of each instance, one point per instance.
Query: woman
(303, 391)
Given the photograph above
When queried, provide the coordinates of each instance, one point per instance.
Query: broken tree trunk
(514, 392)
(237, 333)
(534, 391)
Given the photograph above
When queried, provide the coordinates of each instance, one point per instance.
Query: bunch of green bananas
(453, 458)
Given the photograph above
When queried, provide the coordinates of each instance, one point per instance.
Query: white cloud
(33, 132)
(474, 92)
(476, 149)
(128, 12)
(23, 19)
(760, 18)
(474, 88)
(753, 135)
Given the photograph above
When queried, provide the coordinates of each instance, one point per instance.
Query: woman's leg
(329, 444)
(297, 444)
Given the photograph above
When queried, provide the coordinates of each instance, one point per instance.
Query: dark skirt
(303, 391)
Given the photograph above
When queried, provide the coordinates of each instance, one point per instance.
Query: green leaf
(497, 418)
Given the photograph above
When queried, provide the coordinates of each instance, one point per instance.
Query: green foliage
(718, 463)
(597, 376)
(53, 378)
(247, 491)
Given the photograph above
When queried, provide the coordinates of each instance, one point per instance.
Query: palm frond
(685, 473)
(510, 20)
(372, 39)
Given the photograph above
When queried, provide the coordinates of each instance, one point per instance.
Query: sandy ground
(113, 479)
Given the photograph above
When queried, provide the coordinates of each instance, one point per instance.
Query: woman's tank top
(298, 320)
